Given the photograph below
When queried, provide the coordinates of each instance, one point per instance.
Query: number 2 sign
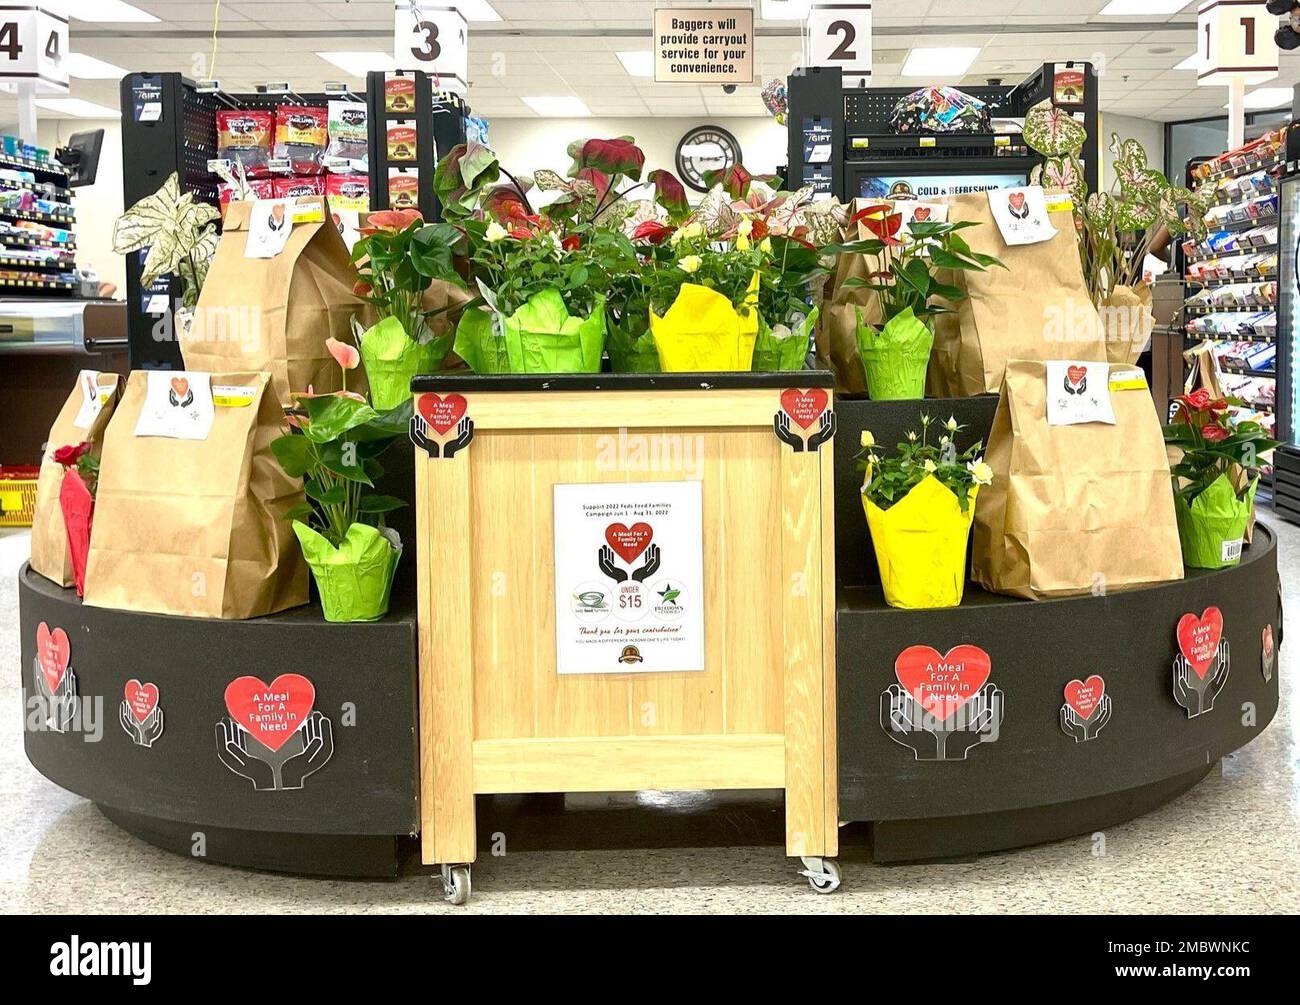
(33, 41)
(432, 39)
(839, 34)
(1235, 41)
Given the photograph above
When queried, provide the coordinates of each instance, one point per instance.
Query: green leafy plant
(1212, 444)
(180, 233)
(398, 257)
(890, 479)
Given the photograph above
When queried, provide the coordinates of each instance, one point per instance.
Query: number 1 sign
(1235, 40)
(33, 41)
(434, 39)
(839, 34)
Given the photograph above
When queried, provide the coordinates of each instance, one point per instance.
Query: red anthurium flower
(572, 243)
(1221, 405)
(652, 231)
(880, 209)
(69, 455)
(392, 221)
(362, 288)
(520, 233)
(885, 228)
(1214, 433)
(344, 355)
(1198, 401)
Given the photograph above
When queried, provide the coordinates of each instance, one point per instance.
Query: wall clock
(704, 149)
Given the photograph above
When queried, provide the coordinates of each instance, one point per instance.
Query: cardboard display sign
(54, 679)
(273, 736)
(943, 704)
(1202, 665)
(805, 420)
(140, 715)
(441, 425)
(1087, 708)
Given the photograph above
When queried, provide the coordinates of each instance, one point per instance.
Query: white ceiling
(563, 47)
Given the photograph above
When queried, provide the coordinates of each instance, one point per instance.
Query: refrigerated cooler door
(1286, 478)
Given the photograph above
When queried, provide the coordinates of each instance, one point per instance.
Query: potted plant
(335, 448)
(77, 501)
(920, 505)
(902, 273)
(180, 234)
(399, 257)
(1216, 472)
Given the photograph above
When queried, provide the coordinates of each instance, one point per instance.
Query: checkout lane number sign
(629, 578)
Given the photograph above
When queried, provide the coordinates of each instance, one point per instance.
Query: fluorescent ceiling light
(84, 67)
(1192, 62)
(475, 10)
(78, 108)
(785, 10)
(566, 106)
(1268, 97)
(638, 64)
(1122, 8)
(358, 64)
(103, 11)
(947, 62)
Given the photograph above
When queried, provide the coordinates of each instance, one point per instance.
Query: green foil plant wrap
(392, 358)
(784, 348)
(1212, 526)
(479, 342)
(630, 345)
(895, 357)
(543, 337)
(355, 579)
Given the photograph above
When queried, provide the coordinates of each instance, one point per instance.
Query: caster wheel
(823, 874)
(456, 884)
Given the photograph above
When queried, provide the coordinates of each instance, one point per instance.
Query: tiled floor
(1229, 845)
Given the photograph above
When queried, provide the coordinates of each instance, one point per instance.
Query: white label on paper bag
(920, 212)
(92, 402)
(269, 227)
(1021, 215)
(1078, 392)
(629, 578)
(177, 404)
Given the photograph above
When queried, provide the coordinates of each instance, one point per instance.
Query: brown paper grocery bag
(1037, 308)
(275, 314)
(1128, 321)
(197, 527)
(837, 324)
(80, 420)
(1075, 509)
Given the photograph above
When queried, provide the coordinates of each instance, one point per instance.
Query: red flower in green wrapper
(79, 459)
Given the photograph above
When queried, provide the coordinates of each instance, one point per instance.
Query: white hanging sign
(839, 34)
(1235, 42)
(33, 43)
(434, 39)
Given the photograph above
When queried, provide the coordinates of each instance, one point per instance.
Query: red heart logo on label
(53, 651)
(141, 699)
(805, 407)
(1085, 695)
(181, 386)
(1198, 638)
(629, 542)
(1076, 373)
(442, 413)
(271, 712)
(942, 684)
(1016, 200)
(921, 214)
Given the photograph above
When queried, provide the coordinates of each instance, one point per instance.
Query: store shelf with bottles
(37, 221)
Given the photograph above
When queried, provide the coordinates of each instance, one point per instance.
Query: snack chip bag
(245, 137)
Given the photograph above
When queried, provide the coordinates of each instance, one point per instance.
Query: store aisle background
(1229, 845)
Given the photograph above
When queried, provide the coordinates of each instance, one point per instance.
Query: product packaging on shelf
(82, 419)
(246, 137)
(275, 313)
(403, 188)
(399, 94)
(1078, 503)
(348, 193)
(301, 137)
(349, 133)
(1037, 308)
(299, 187)
(261, 189)
(191, 511)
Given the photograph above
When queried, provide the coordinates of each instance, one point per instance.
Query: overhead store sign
(839, 34)
(434, 39)
(33, 42)
(704, 45)
(1235, 42)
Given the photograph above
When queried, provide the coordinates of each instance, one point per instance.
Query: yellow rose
(766, 246)
(495, 232)
(982, 473)
(742, 242)
(930, 468)
(867, 439)
(690, 264)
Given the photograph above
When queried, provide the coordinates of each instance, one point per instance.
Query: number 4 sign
(434, 39)
(839, 34)
(33, 41)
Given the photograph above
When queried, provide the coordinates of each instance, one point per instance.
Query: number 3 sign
(839, 34)
(432, 39)
(32, 43)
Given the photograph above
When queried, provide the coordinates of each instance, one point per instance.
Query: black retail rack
(855, 123)
(169, 124)
(37, 262)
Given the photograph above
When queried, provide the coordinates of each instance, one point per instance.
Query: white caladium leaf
(643, 211)
(1053, 132)
(1064, 173)
(1100, 210)
(715, 212)
(139, 225)
(1133, 216)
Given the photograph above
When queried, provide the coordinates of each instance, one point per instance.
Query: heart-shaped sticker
(53, 651)
(1076, 374)
(271, 712)
(141, 699)
(1016, 200)
(181, 386)
(942, 684)
(1085, 695)
(805, 407)
(442, 413)
(629, 542)
(1198, 639)
(921, 214)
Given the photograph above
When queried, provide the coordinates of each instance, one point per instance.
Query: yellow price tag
(233, 397)
(861, 142)
(1060, 204)
(1128, 380)
(928, 141)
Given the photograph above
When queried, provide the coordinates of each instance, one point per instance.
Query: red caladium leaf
(653, 231)
(466, 168)
(505, 205)
(620, 156)
(735, 180)
(597, 179)
(670, 194)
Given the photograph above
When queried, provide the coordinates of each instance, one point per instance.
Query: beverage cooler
(1286, 488)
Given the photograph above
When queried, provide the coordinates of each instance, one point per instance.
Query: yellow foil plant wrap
(702, 330)
(920, 505)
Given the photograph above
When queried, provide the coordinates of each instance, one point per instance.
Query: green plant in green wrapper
(895, 355)
(335, 449)
(1215, 474)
